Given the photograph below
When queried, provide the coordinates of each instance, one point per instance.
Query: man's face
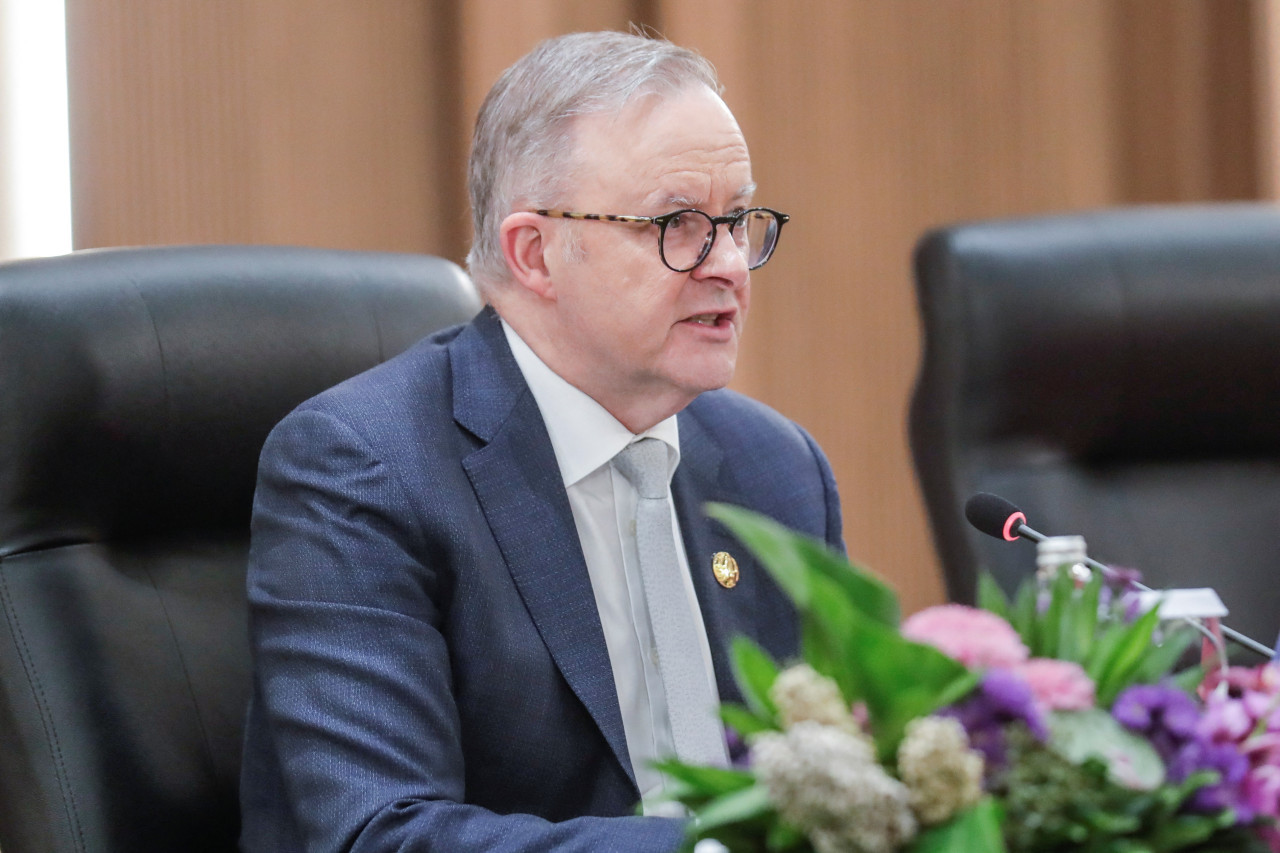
(636, 333)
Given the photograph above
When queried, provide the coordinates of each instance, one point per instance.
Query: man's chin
(712, 378)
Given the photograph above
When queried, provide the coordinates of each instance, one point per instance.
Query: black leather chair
(136, 388)
(1115, 374)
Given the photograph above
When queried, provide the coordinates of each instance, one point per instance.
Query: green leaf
(976, 829)
(1184, 831)
(849, 628)
(903, 680)
(1189, 679)
(736, 807)
(755, 673)
(1103, 648)
(1161, 659)
(898, 679)
(1118, 670)
(992, 599)
(792, 558)
(1050, 633)
(1110, 823)
(782, 837)
(1077, 735)
(707, 781)
(1026, 615)
(826, 656)
(829, 637)
(1080, 626)
(743, 721)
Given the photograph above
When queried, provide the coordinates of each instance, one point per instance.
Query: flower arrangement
(1054, 721)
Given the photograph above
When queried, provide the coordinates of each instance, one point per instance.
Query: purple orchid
(1165, 715)
(1003, 697)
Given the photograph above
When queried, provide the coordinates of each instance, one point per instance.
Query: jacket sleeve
(353, 688)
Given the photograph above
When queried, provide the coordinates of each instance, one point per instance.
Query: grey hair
(523, 143)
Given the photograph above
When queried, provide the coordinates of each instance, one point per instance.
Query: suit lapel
(726, 613)
(518, 484)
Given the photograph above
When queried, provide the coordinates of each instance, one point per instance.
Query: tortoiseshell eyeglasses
(685, 237)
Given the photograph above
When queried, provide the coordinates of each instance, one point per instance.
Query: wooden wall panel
(7, 190)
(1187, 106)
(1266, 76)
(346, 124)
(495, 33)
(158, 151)
(292, 121)
(342, 135)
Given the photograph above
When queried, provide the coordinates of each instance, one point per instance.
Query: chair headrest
(1145, 333)
(138, 385)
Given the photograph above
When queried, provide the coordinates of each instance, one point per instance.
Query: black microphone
(995, 516)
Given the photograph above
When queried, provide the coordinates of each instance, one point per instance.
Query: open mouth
(711, 320)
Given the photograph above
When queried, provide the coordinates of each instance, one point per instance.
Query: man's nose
(727, 261)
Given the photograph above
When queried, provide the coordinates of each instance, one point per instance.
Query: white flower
(943, 774)
(825, 781)
(801, 694)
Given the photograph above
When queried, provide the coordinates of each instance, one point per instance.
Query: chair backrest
(136, 389)
(1115, 374)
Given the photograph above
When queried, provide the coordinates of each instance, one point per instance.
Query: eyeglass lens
(686, 241)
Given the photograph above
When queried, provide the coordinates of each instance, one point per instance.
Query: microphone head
(994, 516)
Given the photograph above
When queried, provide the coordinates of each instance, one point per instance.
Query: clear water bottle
(1061, 553)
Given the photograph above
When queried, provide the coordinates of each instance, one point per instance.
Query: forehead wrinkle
(658, 161)
(683, 188)
(688, 196)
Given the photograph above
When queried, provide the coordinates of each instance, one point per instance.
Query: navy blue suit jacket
(430, 669)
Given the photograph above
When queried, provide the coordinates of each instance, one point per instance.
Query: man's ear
(524, 240)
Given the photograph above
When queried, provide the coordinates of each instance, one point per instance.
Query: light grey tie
(690, 701)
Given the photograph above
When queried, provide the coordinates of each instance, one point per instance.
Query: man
(463, 637)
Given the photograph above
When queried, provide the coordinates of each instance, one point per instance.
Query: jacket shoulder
(736, 420)
(770, 463)
(420, 372)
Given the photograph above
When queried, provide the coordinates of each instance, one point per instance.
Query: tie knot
(644, 464)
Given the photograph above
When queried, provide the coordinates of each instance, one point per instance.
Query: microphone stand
(1230, 633)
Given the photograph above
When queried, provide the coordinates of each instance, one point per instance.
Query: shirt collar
(583, 434)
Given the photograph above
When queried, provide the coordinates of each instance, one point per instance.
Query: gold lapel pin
(725, 569)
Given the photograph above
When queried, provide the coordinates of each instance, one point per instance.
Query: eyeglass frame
(730, 219)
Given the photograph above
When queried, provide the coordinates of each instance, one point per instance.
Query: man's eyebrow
(747, 191)
(681, 201)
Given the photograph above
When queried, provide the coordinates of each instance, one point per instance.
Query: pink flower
(1263, 706)
(1240, 679)
(1263, 750)
(1225, 721)
(1262, 793)
(976, 638)
(1058, 685)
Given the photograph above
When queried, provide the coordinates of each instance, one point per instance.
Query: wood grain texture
(306, 122)
(346, 124)
(1187, 108)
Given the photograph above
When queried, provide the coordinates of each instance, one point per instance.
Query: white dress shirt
(585, 438)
